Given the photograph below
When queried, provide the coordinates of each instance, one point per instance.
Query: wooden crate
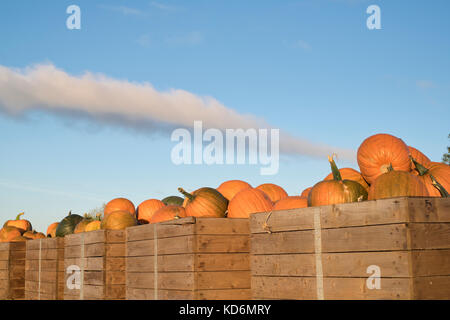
(334, 252)
(12, 270)
(190, 259)
(100, 258)
(44, 269)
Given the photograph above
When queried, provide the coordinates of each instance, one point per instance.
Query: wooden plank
(432, 288)
(430, 262)
(45, 276)
(223, 280)
(146, 232)
(222, 243)
(283, 242)
(46, 254)
(115, 292)
(430, 236)
(149, 294)
(225, 294)
(172, 280)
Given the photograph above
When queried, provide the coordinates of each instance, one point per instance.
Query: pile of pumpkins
(388, 168)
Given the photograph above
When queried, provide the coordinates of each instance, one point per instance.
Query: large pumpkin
(205, 202)
(293, 202)
(173, 200)
(378, 152)
(93, 225)
(8, 233)
(436, 177)
(350, 174)
(22, 225)
(305, 192)
(81, 226)
(31, 235)
(231, 187)
(419, 157)
(336, 191)
(147, 208)
(397, 184)
(51, 230)
(19, 239)
(120, 204)
(118, 220)
(68, 224)
(274, 191)
(249, 201)
(168, 213)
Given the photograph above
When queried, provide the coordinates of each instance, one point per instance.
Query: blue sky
(310, 68)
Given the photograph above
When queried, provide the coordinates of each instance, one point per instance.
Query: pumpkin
(147, 208)
(229, 188)
(350, 174)
(93, 225)
(173, 200)
(22, 225)
(436, 177)
(18, 239)
(51, 230)
(118, 220)
(419, 157)
(8, 233)
(274, 191)
(81, 226)
(397, 184)
(336, 191)
(293, 202)
(31, 235)
(120, 204)
(205, 202)
(378, 152)
(168, 213)
(249, 201)
(305, 192)
(68, 224)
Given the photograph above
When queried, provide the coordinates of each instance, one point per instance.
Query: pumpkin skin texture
(419, 157)
(205, 202)
(68, 224)
(380, 151)
(274, 192)
(120, 204)
(118, 220)
(22, 225)
(19, 239)
(93, 225)
(293, 202)
(397, 184)
(147, 208)
(336, 191)
(9, 233)
(231, 187)
(249, 201)
(168, 213)
(51, 230)
(440, 172)
(173, 200)
(305, 192)
(31, 235)
(350, 174)
(81, 226)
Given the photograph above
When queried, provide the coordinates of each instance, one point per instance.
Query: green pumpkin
(68, 224)
(173, 200)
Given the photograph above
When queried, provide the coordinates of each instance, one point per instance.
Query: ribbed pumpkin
(93, 225)
(231, 187)
(51, 230)
(147, 208)
(19, 239)
(120, 204)
(249, 201)
(118, 220)
(68, 224)
(81, 226)
(336, 191)
(436, 177)
(419, 157)
(31, 235)
(274, 191)
(380, 151)
(22, 225)
(350, 174)
(292, 202)
(8, 233)
(305, 192)
(173, 200)
(397, 184)
(168, 213)
(205, 202)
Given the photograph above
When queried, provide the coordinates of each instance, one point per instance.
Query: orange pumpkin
(22, 225)
(229, 188)
(168, 213)
(118, 220)
(336, 191)
(205, 202)
(397, 184)
(249, 201)
(9, 233)
(436, 177)
(51, 230)
(81, 226)
(350, 174)
(274, 191)
(19, 239)
(120, 204)
(305, 192)
(147, 209)
(93, 225)
(419, 157)
(31, 235)
(378, 152)
(293, 202)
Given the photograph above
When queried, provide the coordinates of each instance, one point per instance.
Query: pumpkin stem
(186, 194)
(439, 186)
(420, 168)
(390, 168)
(336, 173)
(19, 215)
